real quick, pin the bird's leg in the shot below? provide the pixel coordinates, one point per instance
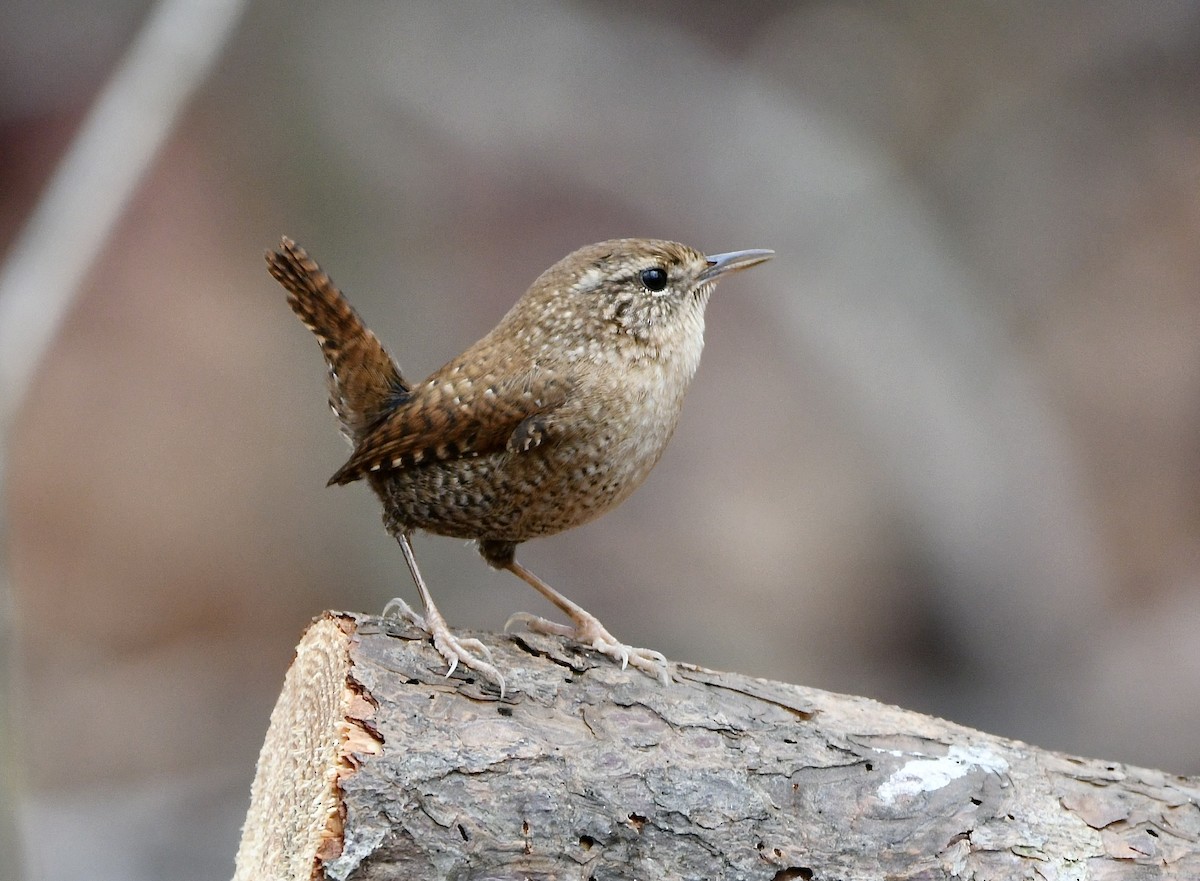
(587, 630)
(448, 645)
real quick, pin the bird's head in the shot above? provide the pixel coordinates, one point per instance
(645, 291)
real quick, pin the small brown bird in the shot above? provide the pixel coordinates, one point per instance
(550, 420)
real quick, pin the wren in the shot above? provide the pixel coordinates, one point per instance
(553, 418)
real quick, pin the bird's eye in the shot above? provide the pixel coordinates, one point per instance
(654, 278)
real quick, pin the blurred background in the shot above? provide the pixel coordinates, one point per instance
(943, 451)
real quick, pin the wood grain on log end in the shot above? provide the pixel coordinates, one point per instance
(317, 735)
(378, 766)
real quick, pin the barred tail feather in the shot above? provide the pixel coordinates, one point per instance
(364, 381)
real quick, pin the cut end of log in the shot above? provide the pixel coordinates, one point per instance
(319, 724)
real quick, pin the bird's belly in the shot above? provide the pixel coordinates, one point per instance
(515, 496)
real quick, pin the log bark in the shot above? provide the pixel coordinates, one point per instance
(377, 766)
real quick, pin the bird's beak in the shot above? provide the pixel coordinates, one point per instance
(720, 264)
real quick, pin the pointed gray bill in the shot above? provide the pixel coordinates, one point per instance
(720, 264)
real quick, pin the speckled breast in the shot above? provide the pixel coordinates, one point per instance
(515, 496)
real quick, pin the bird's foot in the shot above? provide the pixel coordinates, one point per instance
(589, 631)
(398, 608)
(470, 652)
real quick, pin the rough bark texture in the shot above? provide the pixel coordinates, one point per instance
(376, 766)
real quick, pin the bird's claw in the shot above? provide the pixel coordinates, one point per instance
(456, 650)
(590, 632)
(647, 660)
(473, 645)
(539, 625)
(449, 646)
(398, 608)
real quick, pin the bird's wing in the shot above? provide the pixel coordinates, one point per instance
(455, 415)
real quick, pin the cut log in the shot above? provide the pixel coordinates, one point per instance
(377, 766)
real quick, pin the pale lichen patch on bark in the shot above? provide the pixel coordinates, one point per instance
(927, 774)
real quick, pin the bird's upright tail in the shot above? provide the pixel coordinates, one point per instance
(364, 381)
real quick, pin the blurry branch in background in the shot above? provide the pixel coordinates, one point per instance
(114, 147)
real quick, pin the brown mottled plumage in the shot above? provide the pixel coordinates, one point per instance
(550, 420)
